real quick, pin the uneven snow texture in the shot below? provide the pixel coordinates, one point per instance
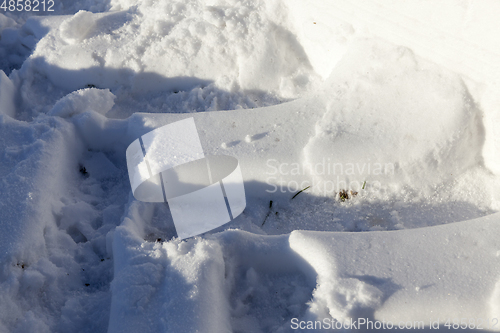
(176, 46)
(90, 99)
(390, 108)
(411, 84)
(78, 27)
(376, 283)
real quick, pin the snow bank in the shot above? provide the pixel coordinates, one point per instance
(236, 45)
(420, 275)
(390, 108)
(36, 159)
(175, 286)
(33, 154)
(459, 37)
(80, 254)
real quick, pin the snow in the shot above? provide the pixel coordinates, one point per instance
(411, 115)
(98, 100)
(77, 27)
(397, 101)
(7, 95)
(455, 267)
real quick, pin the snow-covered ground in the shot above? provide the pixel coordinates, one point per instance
(398, 101)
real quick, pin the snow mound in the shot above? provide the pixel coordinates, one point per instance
(90, 99)
(409, 275)
(235, 44)
(396, 119)
(155, 278)
(77, 27)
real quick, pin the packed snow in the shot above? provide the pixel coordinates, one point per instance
(368, 136)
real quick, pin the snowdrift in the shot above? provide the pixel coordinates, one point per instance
(379, 98)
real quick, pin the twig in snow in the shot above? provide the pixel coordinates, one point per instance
(296, 194)
(270, 206)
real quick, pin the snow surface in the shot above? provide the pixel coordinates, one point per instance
(402, 96)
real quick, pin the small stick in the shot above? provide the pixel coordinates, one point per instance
(270, 206)
(296, 194)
